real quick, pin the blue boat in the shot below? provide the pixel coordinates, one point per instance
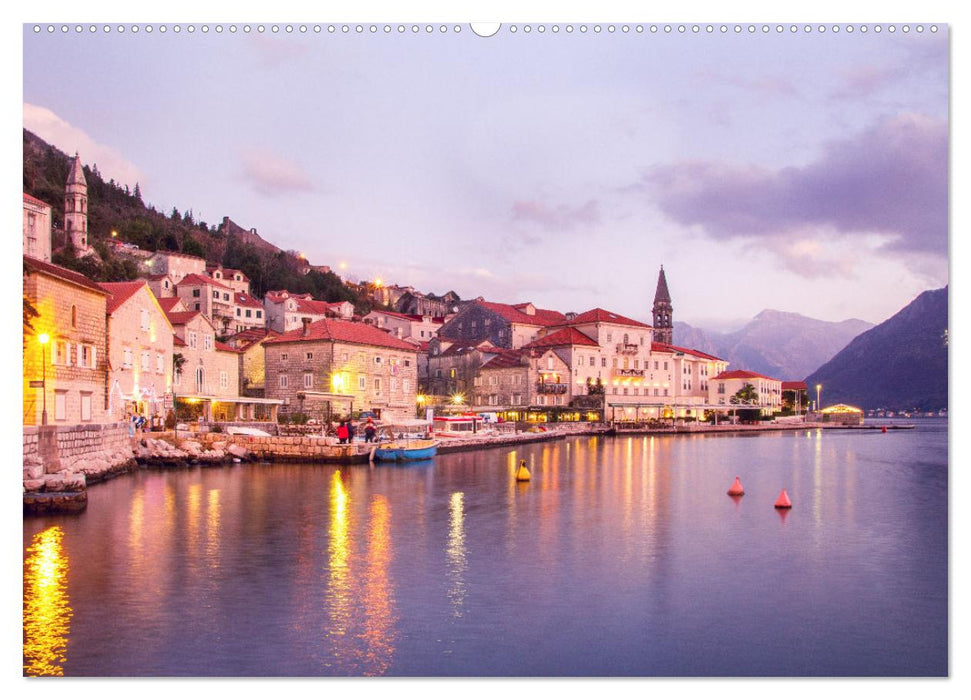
(409, 451)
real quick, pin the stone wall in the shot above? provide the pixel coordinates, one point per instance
(94, 450)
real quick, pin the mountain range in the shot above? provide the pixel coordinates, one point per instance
(778, 344)
(901, 364)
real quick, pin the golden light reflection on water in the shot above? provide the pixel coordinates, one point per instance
(339, 584)
(455, 554)
(47, 610)
(212, 528)
(378, 595)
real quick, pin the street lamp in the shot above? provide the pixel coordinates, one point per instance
(420, 400)
(43, 339)
(818, 404)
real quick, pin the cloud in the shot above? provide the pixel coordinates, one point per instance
(560, 218)
(70, 139)
(890, 180)
(273, 175)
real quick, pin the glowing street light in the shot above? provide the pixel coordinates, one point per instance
(43, 339)
(818, 404)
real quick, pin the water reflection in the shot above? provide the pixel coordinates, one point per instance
(47, 610)
(455, 554)
(339, 585)
(378, 597)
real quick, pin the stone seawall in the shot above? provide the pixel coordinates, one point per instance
(59, 461)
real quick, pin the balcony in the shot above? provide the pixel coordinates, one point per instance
(629, 372)
(551, 388)
(627, 348)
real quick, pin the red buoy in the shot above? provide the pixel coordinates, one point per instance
(783, 500)
(736, 488)
(883, 429)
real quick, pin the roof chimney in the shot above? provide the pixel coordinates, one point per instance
(306, 326)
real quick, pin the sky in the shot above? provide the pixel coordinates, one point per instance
(803, 172)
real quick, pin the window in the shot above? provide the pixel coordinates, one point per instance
(60, 353)
(144, 319)
(405, 385)
(284, 356)
(223, 379)
(225, 296)
(249, 313)
(200, 380)
(614, 362)
(60, 405)
(665, 365)
(238, 311)
(146, 361)
(193, 340)
(215, 295)
(284, 381)
(361, 382)
(308, 380)
(196, 294)
(74, 316)
(392, 384)
(85, 406)
(549, 363)
(377, 386)
(603, 361)
(377, 360)
(197, 307)
(609, 337)
(626, 339)
(593, 360)
(159, 363)
(207, 342)
(259, 314)
(310, 356)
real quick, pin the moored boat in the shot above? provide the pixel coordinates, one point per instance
(410, 451)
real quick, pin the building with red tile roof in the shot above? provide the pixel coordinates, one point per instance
(504, 325)
(68, 370)
(336, 367)
(140, 350)
(725, 386)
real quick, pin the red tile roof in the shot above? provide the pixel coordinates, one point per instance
(249, 337)
(565, 336)
(194, 280)
(180, 318)
(743, 374)
(312, 306)
(337, 330)
(665, 347)
(507, 359)
(515, 314)
(603, 316)
(178, 342)
(62, 273)
(226, 348)
(793, 386)
(34, 200)
(247, 300)
(120, 292)
(169, 303)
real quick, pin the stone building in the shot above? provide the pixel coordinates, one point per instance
(502, 325)
(211, 298)
(234, 279)
(286, 312)
(334, 368)
(252, 362)
(176, 265)
(248, 312)
(67, 373)
(725, 385)
(453, 367)
(37, 228)
(419, 328)
(162, 285)
(414, 302)
(139, 351)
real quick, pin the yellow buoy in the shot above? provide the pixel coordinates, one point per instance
(522, 474)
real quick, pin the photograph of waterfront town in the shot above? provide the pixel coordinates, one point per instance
(522, 350)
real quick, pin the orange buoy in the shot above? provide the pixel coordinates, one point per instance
(522, 474)
(736, 488)
(783, 500)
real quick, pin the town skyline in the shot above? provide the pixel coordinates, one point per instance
(820, 178)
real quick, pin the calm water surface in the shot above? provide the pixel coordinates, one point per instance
(622, 556)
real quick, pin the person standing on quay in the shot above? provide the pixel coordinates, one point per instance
(342, 433)
(350, 430)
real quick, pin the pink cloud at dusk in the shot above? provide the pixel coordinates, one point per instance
(273, 175)
(891, 180)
